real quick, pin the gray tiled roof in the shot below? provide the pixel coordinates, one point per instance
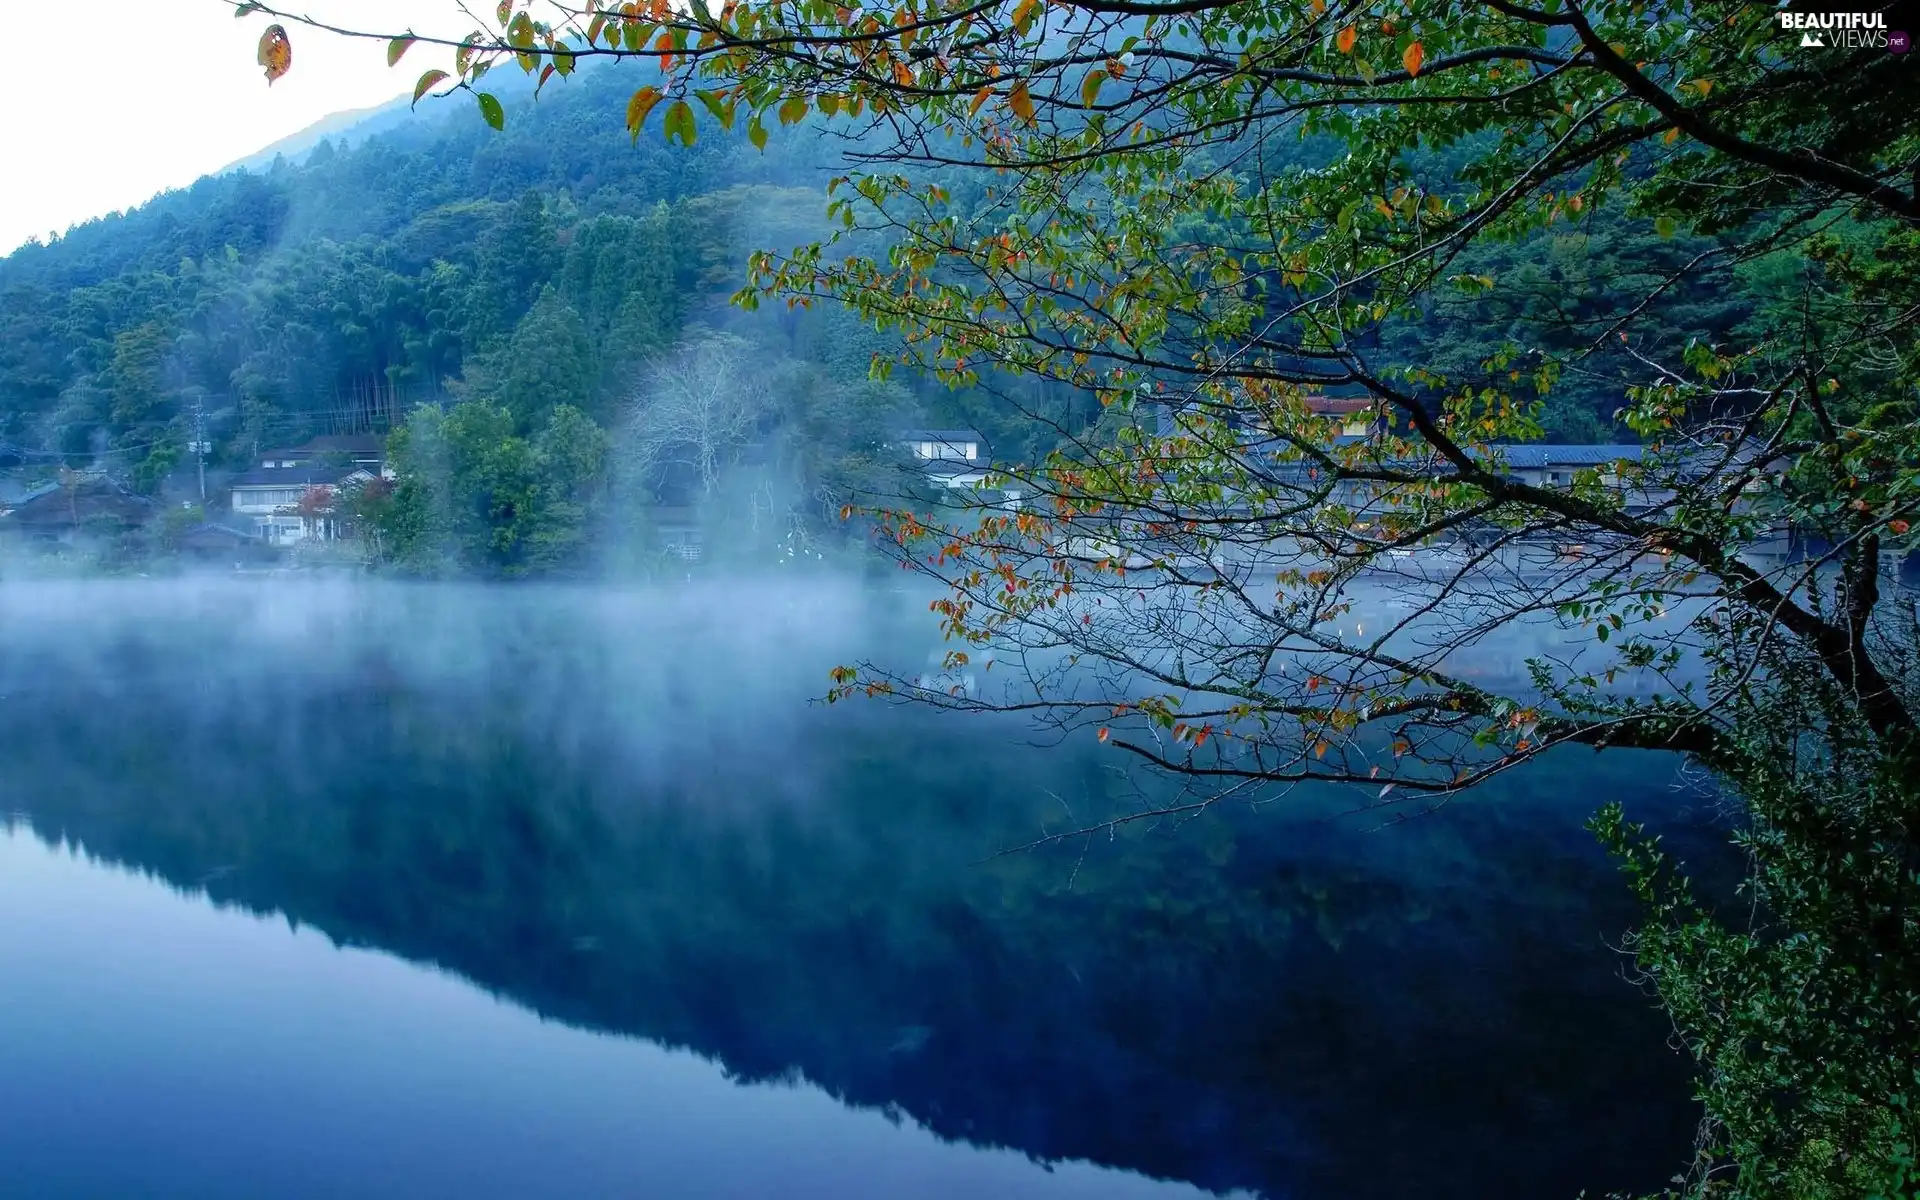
(310, 475)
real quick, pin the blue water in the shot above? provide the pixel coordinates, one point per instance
(369, 891)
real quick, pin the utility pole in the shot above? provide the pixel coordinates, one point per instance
(198, 446)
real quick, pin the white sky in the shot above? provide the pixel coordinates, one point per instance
(153, 94)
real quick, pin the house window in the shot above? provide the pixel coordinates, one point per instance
(926, 449)
(973, 451)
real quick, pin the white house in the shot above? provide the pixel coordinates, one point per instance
(270, 497)
(953, 459)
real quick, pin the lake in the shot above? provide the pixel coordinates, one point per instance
(351, 889)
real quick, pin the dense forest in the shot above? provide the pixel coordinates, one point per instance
(556, 297)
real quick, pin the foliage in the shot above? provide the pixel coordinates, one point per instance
(1210, 214)
(474, 495)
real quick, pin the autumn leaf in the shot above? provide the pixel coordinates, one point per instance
(1413, 57)
(793, 110)
(639, 106)
(428, 82)
(1320, 749)
(979, 98)
(1344, 39)
(1673, 135)
(396, 48)
(1021, 102)
(1090, 86)
(276, 52)
(1898, 528)
(1102, 735)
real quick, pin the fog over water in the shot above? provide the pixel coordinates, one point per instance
(355, 888)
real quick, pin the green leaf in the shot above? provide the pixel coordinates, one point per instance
(428, 82)
(757, 133)
(793, 111)
(563, 62)
(722, 110)
(490, 109)
(1664, 226)
(679, 123)
(1090, 86)
(247, 9)
(396, 48)
(640, 105)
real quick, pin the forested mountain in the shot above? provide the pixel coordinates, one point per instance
(561, 265)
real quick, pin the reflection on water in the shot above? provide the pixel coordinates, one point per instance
(618, 812)
(154, 1046)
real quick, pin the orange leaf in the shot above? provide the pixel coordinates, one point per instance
(1102, 735)
(1319, 749)
(1899, 528)
(276, 52)
(1413, 57)
(1021, 102)
(1344, 39)
(979, 98)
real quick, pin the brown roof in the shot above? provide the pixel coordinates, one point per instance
(86, 501)
(1338, 406)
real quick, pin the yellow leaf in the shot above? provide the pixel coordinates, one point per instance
(1344, 39)
(1090, 87)
(1673, 135)
(1021, 102)
(276, 52)
(639, 106)
(979, 98)
(1413, 57)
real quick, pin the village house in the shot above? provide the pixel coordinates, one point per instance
(270, 499)
(80, 509)
(953, 459)
(363, 451)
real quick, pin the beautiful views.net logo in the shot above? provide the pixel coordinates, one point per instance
(1845, 30)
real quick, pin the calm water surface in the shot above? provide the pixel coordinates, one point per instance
(366, 891)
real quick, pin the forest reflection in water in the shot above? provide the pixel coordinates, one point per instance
(619, 811)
